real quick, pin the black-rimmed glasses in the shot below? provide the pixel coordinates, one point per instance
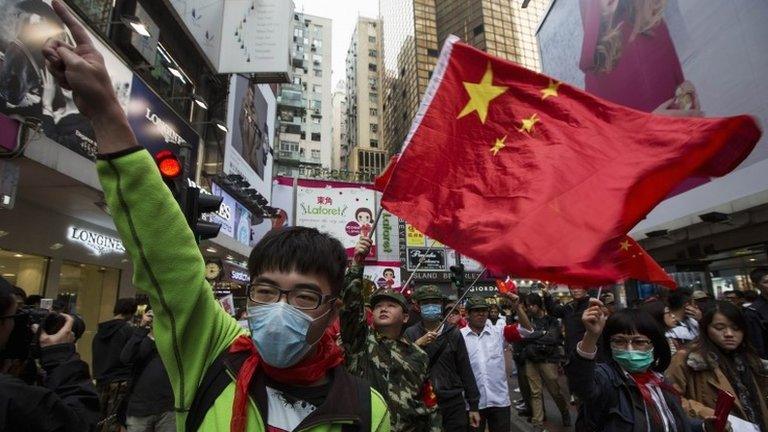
(300, 298)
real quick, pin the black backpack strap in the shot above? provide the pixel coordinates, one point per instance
(363, 408)
(213, 383)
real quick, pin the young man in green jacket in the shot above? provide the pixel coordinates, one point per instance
(288, 375)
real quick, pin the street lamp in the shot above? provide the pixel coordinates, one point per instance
(218, 123)
(134, 23)
(197, 99)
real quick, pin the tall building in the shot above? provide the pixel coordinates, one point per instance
(364, 64)
(304, 106)
(339, 147)
(414, 31)
(409, 37)
(499, 27)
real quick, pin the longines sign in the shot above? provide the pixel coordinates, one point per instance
(98, 243)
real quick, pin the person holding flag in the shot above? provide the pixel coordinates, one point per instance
(381, 354)
(449, 369)
(285, 375)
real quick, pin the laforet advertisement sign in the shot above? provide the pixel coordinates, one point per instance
(346, 211)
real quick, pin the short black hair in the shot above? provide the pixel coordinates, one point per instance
(628, 321)
(678, 299)
(6, 296)
(737, 293)
(750, 295)
(125, 306)
(655, 309)
(757, 275)
(303, 250)
(533, 299)
(388, 270)
(19, 291)
(33, 300)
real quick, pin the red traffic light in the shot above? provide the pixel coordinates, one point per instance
(168, 163)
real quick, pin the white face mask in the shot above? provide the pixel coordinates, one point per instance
(279, 332)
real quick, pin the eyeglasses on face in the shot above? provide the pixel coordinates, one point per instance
(300, 298)
(638, 343)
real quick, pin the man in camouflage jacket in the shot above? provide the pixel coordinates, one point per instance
(394, 365)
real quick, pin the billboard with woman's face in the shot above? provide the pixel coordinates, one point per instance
(671, 57)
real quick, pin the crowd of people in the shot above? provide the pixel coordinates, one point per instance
(321, 357)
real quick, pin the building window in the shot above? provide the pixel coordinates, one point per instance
(316, 120)
(372, 39)
(374, 143)
(372, 53)
(315, 136)
(374, 112)
(315, 154)
(433, 52)
(371, 67)
(315, 104)
(373, 98)
(317, 88)
(318, 73)
(374, 128)
(297, 80)
(477, 30)
(289, 146)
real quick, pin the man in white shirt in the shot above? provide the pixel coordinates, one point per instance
(485, 345)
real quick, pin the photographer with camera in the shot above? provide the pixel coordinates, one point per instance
(66, 400)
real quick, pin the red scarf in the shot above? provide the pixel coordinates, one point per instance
(648, 377)
(308, 371)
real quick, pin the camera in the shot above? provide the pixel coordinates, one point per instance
(23, 342)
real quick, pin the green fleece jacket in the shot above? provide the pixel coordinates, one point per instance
(190, 327)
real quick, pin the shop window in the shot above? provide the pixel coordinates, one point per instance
(90, 291)
(24, 270)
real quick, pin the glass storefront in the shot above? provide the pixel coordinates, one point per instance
(90, 291)
(24, 270)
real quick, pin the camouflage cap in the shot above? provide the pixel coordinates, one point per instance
(390, 294)
(476, 303)
(428, 292)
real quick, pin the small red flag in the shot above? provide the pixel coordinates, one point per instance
(536, 178)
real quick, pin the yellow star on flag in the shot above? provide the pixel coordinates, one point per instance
(481, 94)
(498, 146)
(624, 245)
(551, 90)
(529, 123)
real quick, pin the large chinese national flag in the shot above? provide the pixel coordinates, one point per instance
(536, 178)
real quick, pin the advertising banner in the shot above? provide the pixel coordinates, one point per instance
(344, 210)
(388, 238)
(27, 88)
(240, 36)
(384, 274)
(157, 127)
(673, 57)
(226, 214)
(249, 143)
(234, 218)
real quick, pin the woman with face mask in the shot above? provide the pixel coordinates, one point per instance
(628, 392)
(722, 359)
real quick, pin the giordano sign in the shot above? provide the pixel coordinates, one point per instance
(99, 244)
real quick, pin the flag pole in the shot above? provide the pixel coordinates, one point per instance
(421, 261)
(455, 305)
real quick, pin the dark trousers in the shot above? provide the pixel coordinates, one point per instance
(455, 418)
(523, 383)
(497, 419)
